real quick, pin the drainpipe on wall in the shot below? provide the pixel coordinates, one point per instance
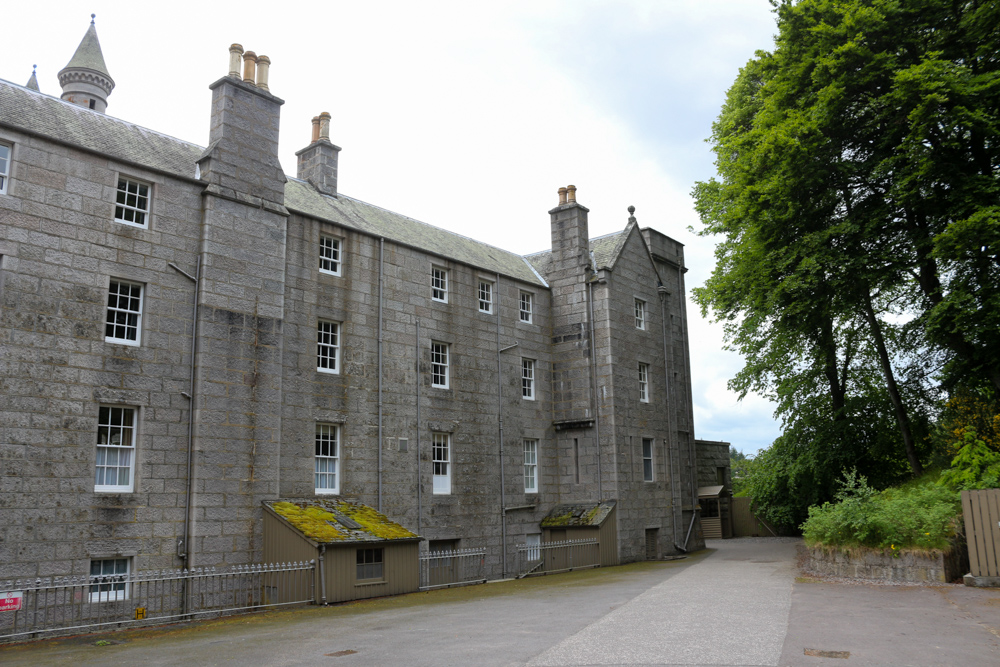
(595, 393)
(381, 245)
(419, 477)
(503, 491)
(184, 543)
(688, 402)
(322, 574)
(676, 491)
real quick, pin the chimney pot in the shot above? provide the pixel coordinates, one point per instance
(562, 196)
(249, 67)
(235, 55)
(315, 134)
(263, 65)
(571, 193)
(324, 126)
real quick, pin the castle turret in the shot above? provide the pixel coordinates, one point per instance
(85, 80)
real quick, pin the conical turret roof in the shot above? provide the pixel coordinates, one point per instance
(33, 81)
(88, 55)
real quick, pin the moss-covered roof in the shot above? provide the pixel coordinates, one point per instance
(578, 514)
(338, 520)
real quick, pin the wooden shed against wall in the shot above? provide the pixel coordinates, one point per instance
(581, 521)
(361, 552)
(716, 512)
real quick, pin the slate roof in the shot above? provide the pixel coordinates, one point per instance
(89, 55)
(352, 213)
(48, 116)
(53, 118)
(338, 520)
(578, 514)
(604, 251)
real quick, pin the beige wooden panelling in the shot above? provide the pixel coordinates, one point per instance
(608, 537)
(284, 544)
(745, 524)
(400, 571)
(712, 528)
(981, 510)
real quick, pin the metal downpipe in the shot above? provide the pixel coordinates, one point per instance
(503, 496)
(595, 393)
(322, 574)
(183, 547)
(676, 492)
(420, 480)
(381, 245)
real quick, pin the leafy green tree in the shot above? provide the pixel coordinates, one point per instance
(859, 174)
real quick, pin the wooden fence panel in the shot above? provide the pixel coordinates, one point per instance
(745, 523)
(981, 510)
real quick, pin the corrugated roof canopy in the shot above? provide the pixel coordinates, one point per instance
(710, 491)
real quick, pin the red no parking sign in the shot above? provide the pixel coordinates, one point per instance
(11, 600)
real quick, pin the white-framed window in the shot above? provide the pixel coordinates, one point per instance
(123, 322)
(439, 364)
(644, 383)
(329, 255)
(530, 465)
(647, 459)
(441, 456)
(439, 284)
(109, 579)
(485, 296)
(528, 379)
(4, 167)
(369, 564)
(132, 202)
(115, 462)
(327, 458)
(640, 314)
(525, 306)
(327, 346)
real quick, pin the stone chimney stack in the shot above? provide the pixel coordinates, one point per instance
(317, 162)
(570, 236)
(242, 155)
(573, 410)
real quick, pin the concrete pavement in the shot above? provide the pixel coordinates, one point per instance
(738, 605)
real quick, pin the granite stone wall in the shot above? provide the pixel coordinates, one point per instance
(257, 394)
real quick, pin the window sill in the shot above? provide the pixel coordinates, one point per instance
(370, 582)
(122, 341)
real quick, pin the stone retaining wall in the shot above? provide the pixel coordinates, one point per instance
(909, 566)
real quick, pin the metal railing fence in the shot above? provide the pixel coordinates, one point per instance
(64, 604)
(549, 557)
(448, 568)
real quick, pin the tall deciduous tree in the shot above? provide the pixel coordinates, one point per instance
(858, 188)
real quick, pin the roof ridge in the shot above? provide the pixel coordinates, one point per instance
(419, 222)
(98, 114)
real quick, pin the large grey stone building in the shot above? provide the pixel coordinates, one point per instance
(186, 332)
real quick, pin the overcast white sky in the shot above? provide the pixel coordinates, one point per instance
(466, 115)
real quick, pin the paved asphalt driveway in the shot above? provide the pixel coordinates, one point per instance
(739, 604)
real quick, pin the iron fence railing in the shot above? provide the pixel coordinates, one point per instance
(62, 604)
(549, 557)
(448, 568)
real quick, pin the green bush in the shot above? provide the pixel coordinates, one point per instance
(919, 515)
(976, 466)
